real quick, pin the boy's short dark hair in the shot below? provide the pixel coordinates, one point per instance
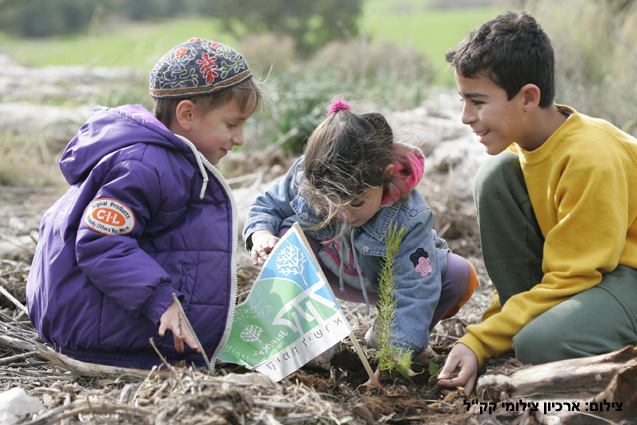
(243, 92)
(512, 50)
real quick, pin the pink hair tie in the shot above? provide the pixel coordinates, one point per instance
(337, 105)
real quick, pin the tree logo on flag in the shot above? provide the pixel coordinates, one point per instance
(290, 261)
(251, 333)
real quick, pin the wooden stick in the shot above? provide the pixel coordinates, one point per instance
(203, 352)
(168, 366)
(79, 368)
(16, 343)
(352, 338)
(8, 360)
(11, 298)
(361, 354)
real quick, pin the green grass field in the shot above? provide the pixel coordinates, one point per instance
(136, 45)
(430, 31)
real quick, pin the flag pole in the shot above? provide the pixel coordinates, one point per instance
(183, 314)
(352, 337)
(361, 354)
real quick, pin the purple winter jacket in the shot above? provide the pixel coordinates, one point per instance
(133, 228)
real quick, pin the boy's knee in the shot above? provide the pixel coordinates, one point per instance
(529, 346)
(537, 345)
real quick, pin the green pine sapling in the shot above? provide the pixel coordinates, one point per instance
(389, 356)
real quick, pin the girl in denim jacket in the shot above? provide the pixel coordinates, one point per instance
(351, 184)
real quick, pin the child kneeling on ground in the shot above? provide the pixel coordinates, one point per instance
(352, 183)
(147, 216)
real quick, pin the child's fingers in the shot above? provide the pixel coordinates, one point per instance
(445, 374)
(191, 341)
(262, 251)
(255, 256)
(369, 381)
(468, 387)
(179, 344)
(447, 370)
(185, 336)
(259, 252)
(464, 379)
(460, 356)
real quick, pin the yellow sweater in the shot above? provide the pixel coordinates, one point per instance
(582, 183)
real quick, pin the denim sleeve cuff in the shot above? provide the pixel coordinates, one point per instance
(265, 224)
(159, 301)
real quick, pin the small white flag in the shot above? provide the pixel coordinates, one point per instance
(290, 315)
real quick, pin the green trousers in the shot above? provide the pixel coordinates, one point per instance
(595, 321)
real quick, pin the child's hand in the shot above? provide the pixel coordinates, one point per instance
(460, 356)
(171, 319)
(263, 242)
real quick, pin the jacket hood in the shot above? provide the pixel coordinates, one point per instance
(108, 130)
(409, 177)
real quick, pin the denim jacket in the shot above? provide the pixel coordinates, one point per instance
(421, 261)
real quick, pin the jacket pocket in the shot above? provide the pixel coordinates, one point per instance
(187, 283)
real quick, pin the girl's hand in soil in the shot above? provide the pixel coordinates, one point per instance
(460, 356)
(171, 319)
(263, 242)
(369, 382)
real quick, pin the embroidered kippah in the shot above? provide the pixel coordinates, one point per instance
(197, 67)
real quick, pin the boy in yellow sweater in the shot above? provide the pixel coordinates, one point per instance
(556, 206)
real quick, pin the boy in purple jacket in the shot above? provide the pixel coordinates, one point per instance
(147, 215)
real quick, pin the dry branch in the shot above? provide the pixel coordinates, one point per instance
(80, 368)
(567, 379)
(11, 359)
(11, 298)
(16, 343)
(84, 407)
(599, 389)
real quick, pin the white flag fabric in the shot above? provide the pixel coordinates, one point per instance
(290, 315)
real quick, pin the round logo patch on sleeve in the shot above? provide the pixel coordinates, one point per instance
(109, 217)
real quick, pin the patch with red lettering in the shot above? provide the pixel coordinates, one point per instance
(109, 217)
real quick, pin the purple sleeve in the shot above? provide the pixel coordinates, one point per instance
(107, 244)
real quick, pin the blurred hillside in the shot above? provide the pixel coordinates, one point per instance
(75, 29)
(386, 55)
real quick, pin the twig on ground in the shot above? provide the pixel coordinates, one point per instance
(168, 366)
(11, 359)
(11, 298)
(74, 409)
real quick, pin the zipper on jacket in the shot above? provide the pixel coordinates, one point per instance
(233, 265)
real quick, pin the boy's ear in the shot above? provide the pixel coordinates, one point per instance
(185, 114)
(531, 96)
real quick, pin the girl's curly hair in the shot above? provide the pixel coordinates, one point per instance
(346, 155)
